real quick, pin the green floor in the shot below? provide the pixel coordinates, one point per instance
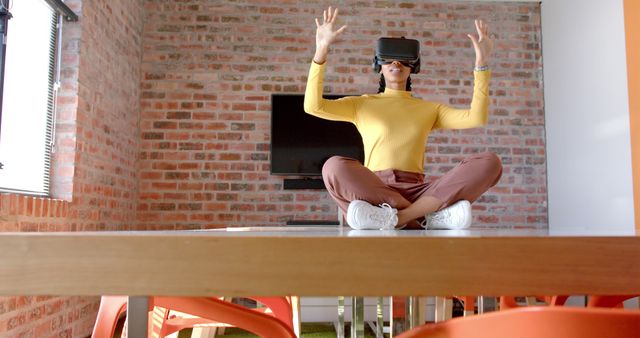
(309, 330)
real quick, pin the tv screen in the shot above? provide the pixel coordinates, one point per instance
(301, 143)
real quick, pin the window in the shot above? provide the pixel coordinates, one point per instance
(28, 94)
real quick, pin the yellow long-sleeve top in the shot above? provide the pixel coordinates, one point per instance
(394, 125)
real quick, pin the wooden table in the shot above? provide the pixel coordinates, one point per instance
(320, 262)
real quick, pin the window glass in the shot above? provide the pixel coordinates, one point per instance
(28, 97)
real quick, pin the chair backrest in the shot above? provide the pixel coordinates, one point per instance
(263, 325)
(537, 322)
(266, 326)
(111, 307)
(280, 307)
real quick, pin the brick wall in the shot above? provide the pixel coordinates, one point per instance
(209, 68)
(94, 177)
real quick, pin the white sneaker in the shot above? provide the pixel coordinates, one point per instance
(455, 216)
(363, 216)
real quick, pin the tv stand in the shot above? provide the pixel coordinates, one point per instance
(303, 183)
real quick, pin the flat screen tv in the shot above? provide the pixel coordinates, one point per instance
(301, 143)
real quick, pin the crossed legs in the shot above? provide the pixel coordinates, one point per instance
(347, 180)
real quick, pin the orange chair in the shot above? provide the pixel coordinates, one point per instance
(509, 302)
(608, 301)
(279, 307)
(208, 309)
(111, 307)
(537, 322)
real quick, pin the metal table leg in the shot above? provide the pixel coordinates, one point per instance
(297, 324)
(380, 318)
(340, 324)
(444, 308)
(357, 317)
(137, 316)
(412, 312)
(377, 326)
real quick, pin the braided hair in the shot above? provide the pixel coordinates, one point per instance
(382, 85)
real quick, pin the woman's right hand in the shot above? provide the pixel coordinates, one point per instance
(325, 35)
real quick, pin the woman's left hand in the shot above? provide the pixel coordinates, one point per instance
(483, 44)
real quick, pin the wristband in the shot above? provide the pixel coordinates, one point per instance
(481, 69)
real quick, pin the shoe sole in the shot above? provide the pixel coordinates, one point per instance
(350, 214)
(467, 207)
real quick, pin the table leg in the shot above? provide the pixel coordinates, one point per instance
(422, 310)
(357, 317)
(412, 313)
(340, 324)
(380, 318)
(137, 316)
(444, 307)
(297, 324)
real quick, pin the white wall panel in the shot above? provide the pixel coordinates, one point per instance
(587, 114)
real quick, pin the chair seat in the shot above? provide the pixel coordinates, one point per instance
(537, 322)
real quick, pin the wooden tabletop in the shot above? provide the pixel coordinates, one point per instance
(319, 262)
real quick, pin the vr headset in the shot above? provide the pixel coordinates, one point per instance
(407, 51)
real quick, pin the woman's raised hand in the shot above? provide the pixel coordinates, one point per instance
(325, 35)
(483, 44)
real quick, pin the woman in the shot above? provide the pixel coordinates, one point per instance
(389, 191)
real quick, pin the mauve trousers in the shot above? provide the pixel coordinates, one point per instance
(347, 179)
